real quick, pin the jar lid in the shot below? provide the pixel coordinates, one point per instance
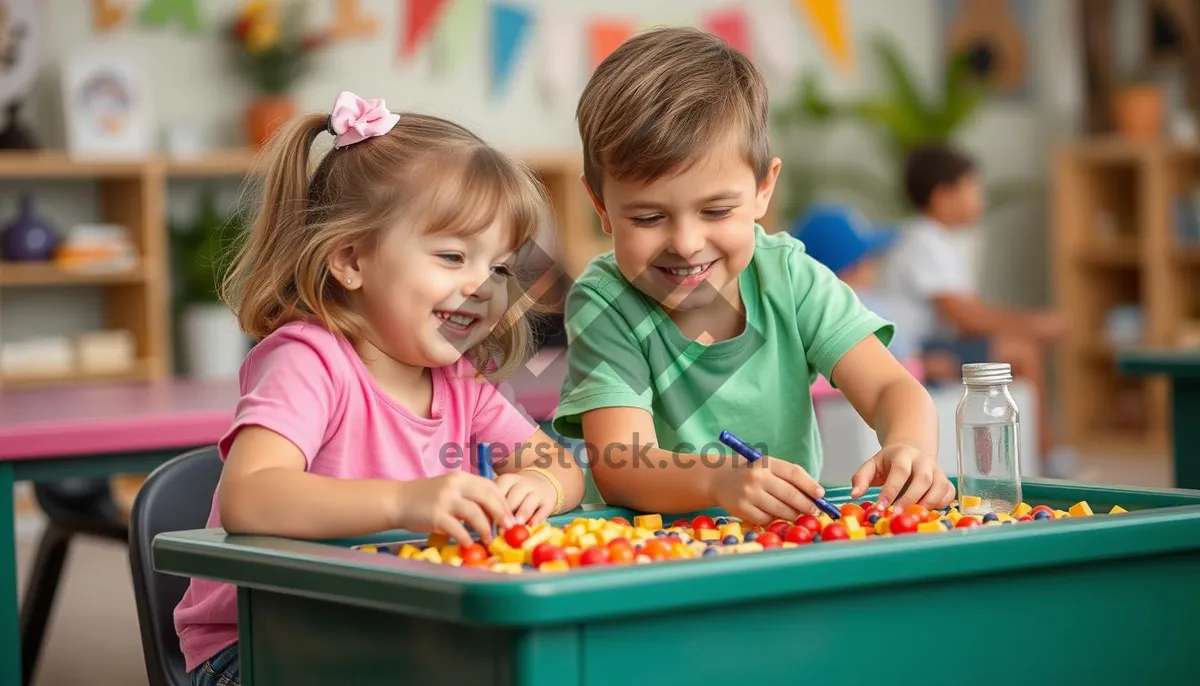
(987, 374)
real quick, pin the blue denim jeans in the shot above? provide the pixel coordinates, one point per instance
(220, 670)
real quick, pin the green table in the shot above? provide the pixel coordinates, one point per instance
(1183, 368)
(1099, 600)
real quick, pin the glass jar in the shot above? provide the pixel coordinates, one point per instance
(988, 426)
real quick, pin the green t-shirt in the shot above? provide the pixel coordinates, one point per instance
(624, 351)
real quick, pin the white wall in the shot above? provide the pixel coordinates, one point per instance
(192, 83)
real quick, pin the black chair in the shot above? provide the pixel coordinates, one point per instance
(175, 497)
(72, 506)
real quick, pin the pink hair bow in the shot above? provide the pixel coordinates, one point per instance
(354, 119)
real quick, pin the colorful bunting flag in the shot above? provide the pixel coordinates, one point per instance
(460, 28)
(161, 12)
(106, 15)
(561, 54)
(829, 22)
(510, 27)
(730, 24)
(606, 35)
(351, 22)
(419, 20)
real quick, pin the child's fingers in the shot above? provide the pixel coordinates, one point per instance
(454, 528)
(790, 496)
(488, 496)
(747, 512)
(864, 478)
(524, 511)
(771, 506)
(897, 476)
(473, 515)
(795, 475)
(919, 483)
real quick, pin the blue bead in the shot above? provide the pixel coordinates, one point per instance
(721, 521)
(1042, 515)
(528, 567)
(816, 538)
(873, 517)
(712, 543)
(709, 551)
(991, 517)
(385, 551)
(660, 532)
(730, 540)
(947, 523)
(750, 536)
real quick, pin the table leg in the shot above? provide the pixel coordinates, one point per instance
(1185, 416)
(10, 636)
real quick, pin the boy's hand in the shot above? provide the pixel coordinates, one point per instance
(530, 496)
(900, 464)
(766, 490)
(444, 503)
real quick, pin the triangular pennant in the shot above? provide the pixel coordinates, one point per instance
(731, 25)
(606, 35)
(160, 12)
(510, 26)
(460, 28)
(419, 20)
(829, 22)
(107, 15)
(351, 22)
(561, 55)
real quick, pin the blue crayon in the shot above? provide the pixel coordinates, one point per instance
(747, 451)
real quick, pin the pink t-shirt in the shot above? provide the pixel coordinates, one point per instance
(309, 386)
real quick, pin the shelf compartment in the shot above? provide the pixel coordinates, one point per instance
(141, 370)
(16, 274)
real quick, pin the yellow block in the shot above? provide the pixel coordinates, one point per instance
(1081, 509)
(574, 531)
(454, 562)
(513, 555)
(643, 559)
(537, 539)
(789, 544)
(731, 529)
(930, 527)
(708, 535)
(751, 547)
(595, 525)
(653, 522)
(449, 552)
(851, 524)
(555, 566)
(587, 541)
(408, 551)
(430, 555)
(557, 536)
(1021, 510)
(969, 501)
(1117, 509)
(1059, 514)
(858, 533)
(498, 545)
(369, 549)
(883, 526)
(507, 567)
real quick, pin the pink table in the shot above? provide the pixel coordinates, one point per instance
(104, 430)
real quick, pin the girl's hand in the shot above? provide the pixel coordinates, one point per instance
(900, 464)
(530, 496)
(444, 503)
(766, 490)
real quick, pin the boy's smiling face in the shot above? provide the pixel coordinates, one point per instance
(683, 238)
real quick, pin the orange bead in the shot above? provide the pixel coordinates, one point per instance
(656, 550)
(852, 510)
(916, 509)
(620, 553)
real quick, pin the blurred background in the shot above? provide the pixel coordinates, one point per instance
(128, 133)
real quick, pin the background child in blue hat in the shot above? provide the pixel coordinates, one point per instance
(839, 237)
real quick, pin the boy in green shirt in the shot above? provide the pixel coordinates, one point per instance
(699, 321)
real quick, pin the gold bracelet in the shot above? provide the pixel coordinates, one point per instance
(558, 492)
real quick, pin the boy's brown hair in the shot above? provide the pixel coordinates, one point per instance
(662, 98)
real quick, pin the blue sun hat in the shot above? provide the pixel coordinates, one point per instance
(839, 236)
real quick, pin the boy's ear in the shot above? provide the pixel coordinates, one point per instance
(343, 266)
(598, 204)
(762, 200)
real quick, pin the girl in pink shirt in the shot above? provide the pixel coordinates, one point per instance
(380, 288)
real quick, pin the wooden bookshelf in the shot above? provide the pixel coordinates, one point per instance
(133, 193)
(1117, 242)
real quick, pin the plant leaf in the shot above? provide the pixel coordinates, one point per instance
(905, 98)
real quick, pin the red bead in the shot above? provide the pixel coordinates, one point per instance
(1043, 508)
(966, 523)
(809, 522)
(703, 522)
(681, 523)
(596, 555)
(779, 528)
(835, 531)
(545, 552)
(798, 534)
(768, 539)
(473, 554)
(904, 523)
(516, 535)
(1024, 518)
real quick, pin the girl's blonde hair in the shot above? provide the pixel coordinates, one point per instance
(425, 169)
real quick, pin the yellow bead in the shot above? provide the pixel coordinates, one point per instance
(1021, 510)
(858, 533)
(653, 522)
(930, 527)
(408, 551)
(969, 501)
(430, 555)
(554, 566)
(1081, 509)
(1117, 509)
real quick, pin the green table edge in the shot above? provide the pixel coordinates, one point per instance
(320, 570)
(1178, 364)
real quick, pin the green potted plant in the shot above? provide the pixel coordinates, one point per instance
(898, 116)
(274, 50)
(211, 343)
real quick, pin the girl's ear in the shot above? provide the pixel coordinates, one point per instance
(343, 265)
